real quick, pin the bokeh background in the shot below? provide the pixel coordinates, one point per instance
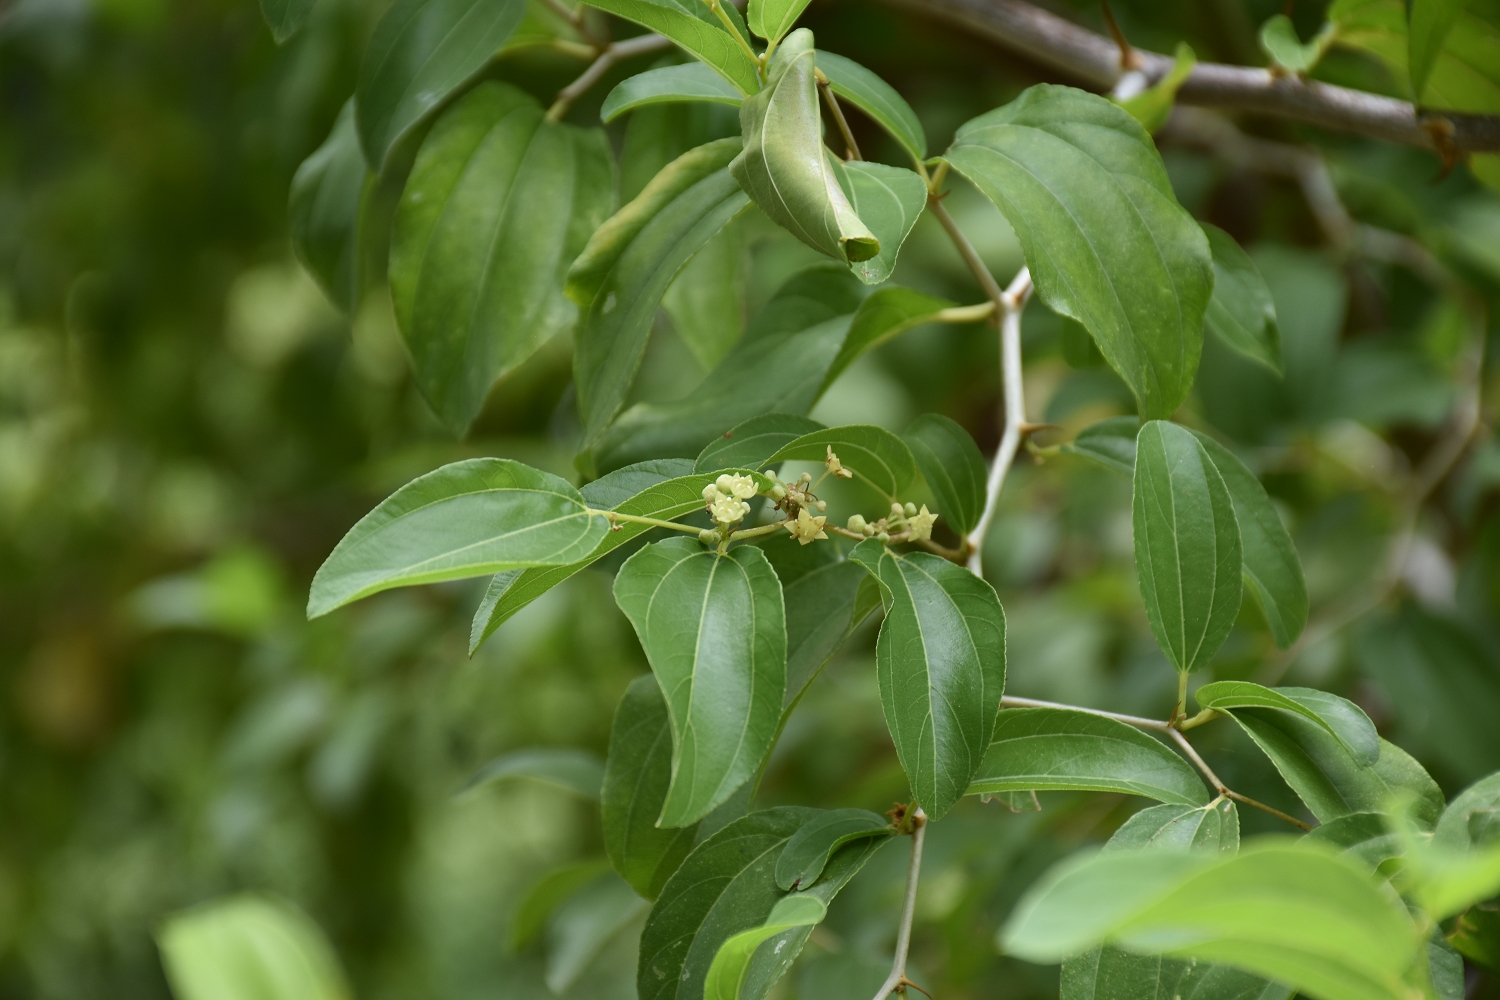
(187, 427)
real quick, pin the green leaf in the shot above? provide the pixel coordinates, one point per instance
(888, 200)
(1476, 936)
(1341, 719)
(512, 590)
(876, 98)
(1279, 40)
(784, 165)
(1112, 974)
(953, 467)
(771, 19)
(877, 457)
(469, 518)
(728, 885)
(1294, 912)
(1241, 312)
(1429, 24)
(1107, 243)
(692, 26)
(751, 444)
(546, 895)
(423, 51)
(714, 630)
(249, 948)
(499, 203)
(726, 976)
(324, 211)
(581, 926)
(1457, 829)
(886, 314)
(1272, 571)
(1366, 836)
(1110, 442)
(807, 853)
(657, 134)
(284, 17)
(576, 771)
(1214, 827)
(688, 82)
(777, 367)
(940, 660)
(1187, 545)
(706, 300)
(629, 262)
(1153, 106)
(1052, 748)
(637, 774)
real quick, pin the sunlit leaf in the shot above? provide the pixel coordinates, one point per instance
(1153, 106)
(1279, 40)
(1363, 835)
(726, 976)
(1214, 827)
(953, 467)
(688, 82)
(1468, 821)
(693, 26)
(751, 444)
(771, 19)
(249, 948)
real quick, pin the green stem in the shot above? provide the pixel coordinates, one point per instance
(1207, 715)
(655, 522)
(764, 529)
(729, 26)
(1181, 709)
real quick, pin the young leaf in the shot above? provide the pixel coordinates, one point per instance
(886, 314)
(470, 518)
(751, 444)
(1270, 566)
(324, 210)
(1214, 827)
(637, 773)
(498, 204)
(875, 455)
(876, 98)
(1428, 26)
(1241, 311)
(284, 17)
(1110, 442)
(784, 165)
(1187, 545)
(706, 301)
(954, 469)
(888, 200)
(731, 966)
(771, 19)
(1052, 748)
(728, 885)
(806, 854)
(422, 51)
(1153, 106)
(583, 924)
(691, 25)
(1342, 719)
(1279, 40)
(1107, 243)
(576, 771)
(714, 630)
(249, 948)
(623, 272)
(940, 660)
(688, 82)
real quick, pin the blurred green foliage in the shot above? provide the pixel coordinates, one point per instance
(187, 427)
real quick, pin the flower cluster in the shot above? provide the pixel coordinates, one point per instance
(917, 523)
(725, 498)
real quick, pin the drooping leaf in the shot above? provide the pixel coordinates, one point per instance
(1051, 748)
(888, 200)
(637, 774)
(1340, 718)
(706, 300)
(784, 166)
(623, 272)
(953, 467)
(1271, 568)
(499, 203)
(469, 518)
(731, 966)
(686, 82)
(806, 854)
(777, 367)
(583, 923)
(548, 893)
(940, 660)
(284, 17)
(886, 314)
(249, 948)
(714, 630)
(1187, 545)
(771, 19)
(1153, 106)
(1107, 243)
(1294, 912)
(876, 98)
(1467, 822)
(324, 210)
(576, 771)
(751, 444)
(692, 26)
(423, 51)
(1110, 442)
(728, 885)
(875, 455)
(1242, 311)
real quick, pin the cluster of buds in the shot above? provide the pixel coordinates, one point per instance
(796, 495)
(725, 498)
(916, 523)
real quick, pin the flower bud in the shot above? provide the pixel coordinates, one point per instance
(911, 510)
(857, 523)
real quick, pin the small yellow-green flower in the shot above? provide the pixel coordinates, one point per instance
(836, 467)
(728, 510)
(920, 524)
(806, 528)
(739, 487)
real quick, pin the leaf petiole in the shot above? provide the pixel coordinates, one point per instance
(655, 522)
(718, 9)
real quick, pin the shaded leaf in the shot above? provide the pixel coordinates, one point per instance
(576, 771)
(1110, 442)
(953, 467)
(583, 923)
(284, 17)
(806, 854)
(324, 211)
(1342, 719)
(1241, 311)
(875, 455)
(692, 26)
(542, 899)
(1363, 835)
(706, 300)
(731, 966)
(888, 200)
(940, 660)
(1457, 829)
(882, 316)
(249, 948)
(657, 134)
(876, 98)
(751, 444)
(1428, 25)
(686, 82)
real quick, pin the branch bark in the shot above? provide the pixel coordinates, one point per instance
(1095, 60)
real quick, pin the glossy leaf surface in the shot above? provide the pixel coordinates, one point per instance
(876, 98)
(1107, 243)
(470, 518)
(714, 630)
(940, 660)
(1214, 827)
(889, 201)
(771, 19)
(249, 948)
(731, 966)
(806, 854)
(692, 26)
(1050, 748)
(1342, 719)
(1110, 442)
(1187, 545)
(324, 211)
(1241, 311)
(953, 467)
(576, 771)
(688, 82)
(875, 455)
(499, 203)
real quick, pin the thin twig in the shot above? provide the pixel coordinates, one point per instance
(611, 54)
(1247, 800)
(1222, 789)
(831, 99)
(1011, 701)
(897, 978)
(1012, 301)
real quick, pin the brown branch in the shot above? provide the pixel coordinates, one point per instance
(1095, 60)
(608, 57)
